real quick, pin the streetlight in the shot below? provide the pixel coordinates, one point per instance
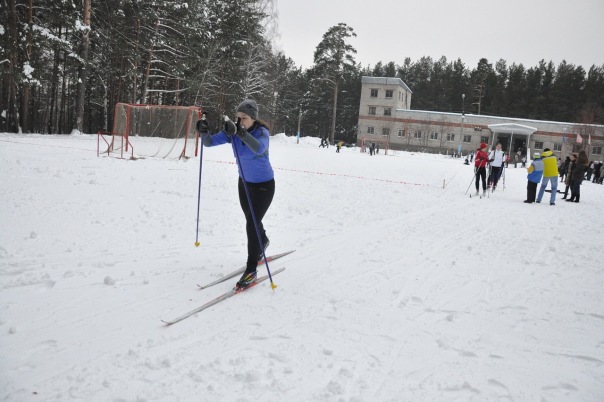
(335, 103)
(463, 116)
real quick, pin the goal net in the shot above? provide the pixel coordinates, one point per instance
(154, 131)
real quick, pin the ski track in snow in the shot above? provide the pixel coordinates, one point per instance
(399, 290)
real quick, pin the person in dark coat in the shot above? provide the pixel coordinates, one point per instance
(571, 168)
(597, 172)
(564, 168)
(578, 176)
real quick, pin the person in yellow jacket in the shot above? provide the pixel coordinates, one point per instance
(550, 174)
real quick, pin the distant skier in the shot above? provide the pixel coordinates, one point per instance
(496, 160)
(480, 167)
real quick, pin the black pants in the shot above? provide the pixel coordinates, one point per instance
(261, 196)
(494, 176)
(481, 173)
(575, 189)
(531, 191)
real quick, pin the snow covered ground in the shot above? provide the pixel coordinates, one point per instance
(399, 289)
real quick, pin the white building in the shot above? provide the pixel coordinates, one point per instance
(386, 118)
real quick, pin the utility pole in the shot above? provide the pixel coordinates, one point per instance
(463, 116)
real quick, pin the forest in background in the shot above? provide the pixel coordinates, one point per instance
(65, 65)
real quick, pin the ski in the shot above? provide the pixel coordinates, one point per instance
(220, 298)
(240, 270)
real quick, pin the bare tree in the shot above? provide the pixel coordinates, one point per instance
(12, 117)
(83, 68)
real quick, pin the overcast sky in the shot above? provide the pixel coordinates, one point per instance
(520, 31)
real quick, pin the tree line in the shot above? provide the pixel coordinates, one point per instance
(65, 65)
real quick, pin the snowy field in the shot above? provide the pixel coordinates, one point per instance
(402, 288)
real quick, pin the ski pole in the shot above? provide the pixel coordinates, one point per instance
(490, 189)
(203, 117)
(249, 201)
(473, 177)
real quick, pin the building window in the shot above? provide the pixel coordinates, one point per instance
(484, 139)
(374, 93)
(433, 136)
(596, 150)
(450, 137)
(467, 139)
(369, 130)
(372, 110)
(387, 111)
(389, 93)
(401, 132)
(385, 131)
(538, 144)
(417, 134)
(557, 146)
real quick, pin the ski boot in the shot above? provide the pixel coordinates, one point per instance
(246, 280)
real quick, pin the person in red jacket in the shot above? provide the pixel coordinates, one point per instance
(480, 167)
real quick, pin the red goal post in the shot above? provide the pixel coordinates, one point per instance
(154, 131)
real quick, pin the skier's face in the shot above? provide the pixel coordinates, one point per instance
(245, 120)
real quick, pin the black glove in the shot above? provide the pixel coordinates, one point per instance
(229, 127)
(241, 131)
(202, 125)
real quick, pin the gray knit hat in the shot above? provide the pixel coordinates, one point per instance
(249, 107)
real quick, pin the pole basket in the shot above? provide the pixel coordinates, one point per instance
(153, 131)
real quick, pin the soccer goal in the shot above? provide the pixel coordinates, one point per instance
(153, 131)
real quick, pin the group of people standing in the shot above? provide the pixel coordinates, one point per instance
(545, 169)
(593, 169)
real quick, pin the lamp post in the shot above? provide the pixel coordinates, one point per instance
(463, 116)
(335, 104)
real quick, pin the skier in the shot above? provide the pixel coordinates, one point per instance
(496, 160)
(480, 167)
(250, 141)
(535, 172)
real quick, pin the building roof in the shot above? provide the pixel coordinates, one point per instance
(556, 126)
(385, 81)
(512, 128)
